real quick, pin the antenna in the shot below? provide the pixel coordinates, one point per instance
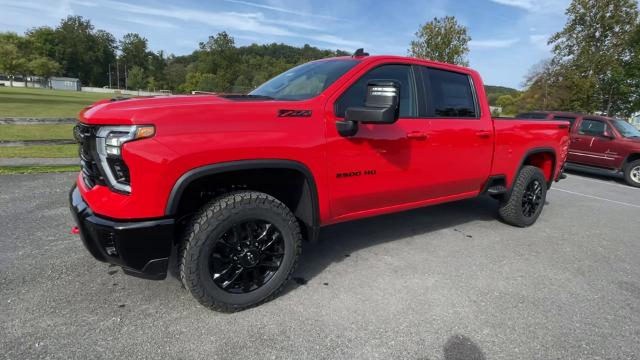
(360, 52)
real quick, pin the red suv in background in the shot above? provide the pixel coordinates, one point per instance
(599, 144)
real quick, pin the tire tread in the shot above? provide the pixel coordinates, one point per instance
(214, 212)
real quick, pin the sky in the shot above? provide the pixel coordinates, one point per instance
(508, 36)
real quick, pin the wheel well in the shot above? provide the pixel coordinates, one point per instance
(544, 160)
(290, 186)
(632, 158)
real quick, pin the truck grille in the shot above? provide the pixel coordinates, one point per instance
(86, 137)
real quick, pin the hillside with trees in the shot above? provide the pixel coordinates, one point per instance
(595, 66)
(76, 49)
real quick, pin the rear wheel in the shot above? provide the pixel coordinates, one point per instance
(523, 206)
(632, 173)
(239, 251)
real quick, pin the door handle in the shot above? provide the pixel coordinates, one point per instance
(576, 139)
(417, 135)
(483, 134)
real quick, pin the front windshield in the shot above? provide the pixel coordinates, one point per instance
(304, 81)
(627, 130)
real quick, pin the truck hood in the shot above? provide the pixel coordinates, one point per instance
(148, 110)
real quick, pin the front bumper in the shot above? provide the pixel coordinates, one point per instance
(141, 248)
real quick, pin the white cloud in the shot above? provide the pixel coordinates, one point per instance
(281, 9)
(150, 22)
(246, 22)
(546, 6)
(540, 41)
(493, 43)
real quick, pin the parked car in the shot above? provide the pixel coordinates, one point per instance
(234, 183)
(600, 145)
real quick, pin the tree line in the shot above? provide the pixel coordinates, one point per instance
(595, 63)
(76, 49)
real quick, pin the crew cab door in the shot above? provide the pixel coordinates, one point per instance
(460, 138)
(380, 166)
(592, 144)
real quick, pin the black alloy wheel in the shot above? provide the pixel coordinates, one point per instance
(532, 198)
(246, 256)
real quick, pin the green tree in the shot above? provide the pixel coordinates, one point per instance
(12, 58)
(83, 52)
(133, 49)
(135, 78)
(593, 50)
(44, 67)
(175, 74)
(44, 41)
(442, 39)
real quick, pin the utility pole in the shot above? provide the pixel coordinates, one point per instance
(118, 74)
(109, 75)
(125, 76)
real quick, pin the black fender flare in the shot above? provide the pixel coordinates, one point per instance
(187, 178)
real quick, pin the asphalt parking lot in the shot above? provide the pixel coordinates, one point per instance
(446, 282)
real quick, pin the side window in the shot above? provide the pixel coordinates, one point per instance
(449, 94)
(355, 95)
(592, 127)
(571, 120)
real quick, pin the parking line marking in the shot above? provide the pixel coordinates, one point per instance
(598, 198)
(603, 182)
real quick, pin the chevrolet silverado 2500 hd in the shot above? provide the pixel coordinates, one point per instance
(230, 185)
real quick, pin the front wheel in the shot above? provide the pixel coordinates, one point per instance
(632, 173)
(239, 251)
(528, 194)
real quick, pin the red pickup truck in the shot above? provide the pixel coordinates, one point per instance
(599, 145)
(230, 185)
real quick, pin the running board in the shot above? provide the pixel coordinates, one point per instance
(594, 170)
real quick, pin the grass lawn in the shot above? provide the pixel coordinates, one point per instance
(30, 102)
(39, 151)
(10, 170)
(36, 132)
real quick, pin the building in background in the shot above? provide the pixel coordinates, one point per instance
(65, 83)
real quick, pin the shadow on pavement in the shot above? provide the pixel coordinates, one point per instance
(337, 242)
(460, 347)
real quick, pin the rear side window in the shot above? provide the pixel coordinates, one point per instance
(592, 127)
(355, 95)
(532, 116)
(449, 94)
(571, 120)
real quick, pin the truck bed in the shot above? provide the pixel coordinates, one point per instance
(517, 138)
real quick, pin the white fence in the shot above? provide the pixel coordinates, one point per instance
(20, 83)
(123, 92)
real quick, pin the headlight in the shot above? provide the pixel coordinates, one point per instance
(109, 141)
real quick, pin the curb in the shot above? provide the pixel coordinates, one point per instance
(35, 142)
(39, 161)
(31, 121)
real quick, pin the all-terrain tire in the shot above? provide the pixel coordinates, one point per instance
(632, 173)
(206, 228)
(512, 209)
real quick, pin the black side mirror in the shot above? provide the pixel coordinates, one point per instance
(382, 104)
